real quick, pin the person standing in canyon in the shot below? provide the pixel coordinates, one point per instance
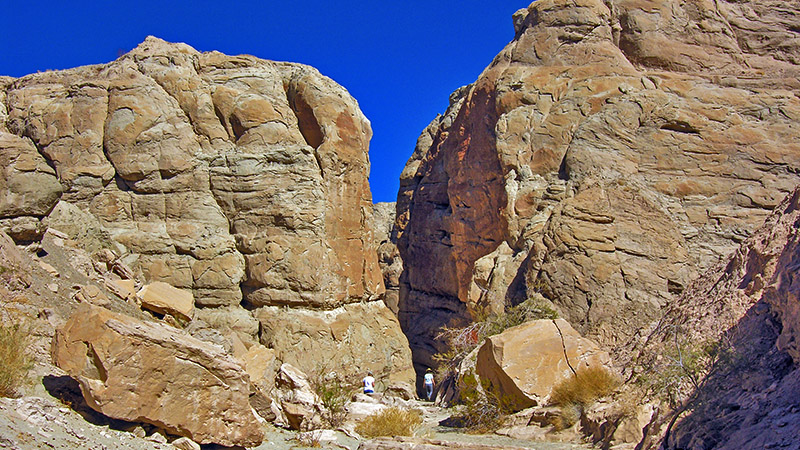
(428, 379)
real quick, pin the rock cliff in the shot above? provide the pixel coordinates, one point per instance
(608, 155)
(241, 180)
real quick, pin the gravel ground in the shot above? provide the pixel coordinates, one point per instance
(46, 423)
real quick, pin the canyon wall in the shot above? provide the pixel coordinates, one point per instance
(746, 309)
(609, 154)
(241, 180)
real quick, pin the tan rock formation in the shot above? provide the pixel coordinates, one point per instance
(389, 259)
(525, 362)
(165, 299)
(140, 371)
(610, 153)
(237, 179)
(300, 406)
(350, 341)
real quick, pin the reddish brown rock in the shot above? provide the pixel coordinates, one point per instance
(608, 155)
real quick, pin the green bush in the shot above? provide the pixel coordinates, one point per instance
(16, 362)
(390, 422)
(483, 410)
(333, 394)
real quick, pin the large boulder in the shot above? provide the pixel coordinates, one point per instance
(608, 155)
(240, 180)
(148, 372)
(525, 362)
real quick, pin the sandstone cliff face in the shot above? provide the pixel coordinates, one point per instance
(609, 154)
(748, 306)
(242, 180)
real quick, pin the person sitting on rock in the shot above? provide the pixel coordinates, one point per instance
(429, 383)
(369, 383)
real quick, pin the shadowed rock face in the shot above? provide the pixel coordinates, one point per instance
(610, 153)
(242, 180)
(749, 306)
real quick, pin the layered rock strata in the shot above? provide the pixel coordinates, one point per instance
(241, 180)
(609, 154)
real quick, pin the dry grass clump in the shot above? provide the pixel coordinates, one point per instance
(390, 422)
(586, 386)
(580, 391)
(15, 362)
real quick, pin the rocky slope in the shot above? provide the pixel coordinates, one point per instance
(746, 308)
(241, 180)
(608, 155)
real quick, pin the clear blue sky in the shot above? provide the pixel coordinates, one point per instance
(399, 59)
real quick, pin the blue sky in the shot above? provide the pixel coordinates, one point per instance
(400, 60)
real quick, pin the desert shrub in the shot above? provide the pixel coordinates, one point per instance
(392, 421)
(333, 393)
(581, 390)
(483, 408)
(16, 362)
(584, 387)
(680, 365)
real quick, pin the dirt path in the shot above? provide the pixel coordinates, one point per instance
(42, 422)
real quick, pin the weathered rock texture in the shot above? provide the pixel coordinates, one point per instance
(353, 339)
(389, 259)
(525, 362)
(749, 306)
(241, 180)
(138, 371)
(610, 153)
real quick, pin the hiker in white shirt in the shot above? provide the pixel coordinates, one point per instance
(369, 383)
(429, 383)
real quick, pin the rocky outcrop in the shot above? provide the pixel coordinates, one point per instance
(608, 155)
(389, 259)
(746, 310)
(239, 180)
(350, 340)
(139, 371)
(525, 362)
